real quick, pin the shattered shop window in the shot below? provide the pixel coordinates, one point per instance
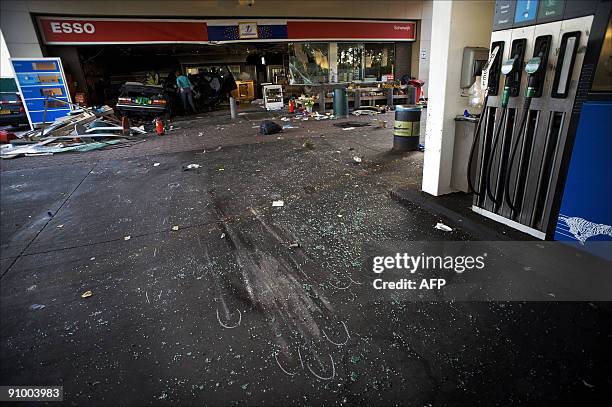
(349, 62)
(308, 63)
(379, 60)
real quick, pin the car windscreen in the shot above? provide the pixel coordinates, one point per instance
(146, 91)
(9, 97)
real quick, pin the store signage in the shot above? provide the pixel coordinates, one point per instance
(247, 30)
(352, 30)
(72, 31)
(38, 79)
(75, 31)
(69, 28)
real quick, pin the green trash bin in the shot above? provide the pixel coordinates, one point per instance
(407, 128)
(341, 108)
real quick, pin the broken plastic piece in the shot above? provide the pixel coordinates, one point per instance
(190, 167)
(278, 203)
(443, 227)
(87, 294)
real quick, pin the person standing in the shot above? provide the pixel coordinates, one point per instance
(186, 90)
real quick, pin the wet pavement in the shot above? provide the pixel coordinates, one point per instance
(204, 293)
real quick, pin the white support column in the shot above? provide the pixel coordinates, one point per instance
(438, 145)
(455, 25)
(18, 30)
(6, 71)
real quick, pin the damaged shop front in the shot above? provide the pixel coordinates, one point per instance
(372, 59)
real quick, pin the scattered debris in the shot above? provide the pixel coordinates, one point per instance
(87, 294)
(222, 235)
(380, 124)
(175, 227)
(589, 385)
(46, 148)
(37, 306)
(348, 128)
(190, 167)
(268, 127)
(294, 245)
(357, 159)
(60, 226)
(288, 126)
(127, 237)
(345, 125)
(308, 145)
(156, 165)
(364, 112)
(443, 227)
(278, 203)
(82, 130)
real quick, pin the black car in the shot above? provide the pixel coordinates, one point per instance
(12, 112)
(137, 99)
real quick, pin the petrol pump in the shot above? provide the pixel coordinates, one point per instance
(541, 71)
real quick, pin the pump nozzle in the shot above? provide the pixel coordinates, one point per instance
(508, 68)
(532, 68)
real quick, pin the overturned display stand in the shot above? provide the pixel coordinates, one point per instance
(38, 79)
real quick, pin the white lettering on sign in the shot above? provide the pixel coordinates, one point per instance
(70, 28)
(401, 27)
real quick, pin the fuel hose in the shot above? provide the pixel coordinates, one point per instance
(488, 188)
(473, 149)
(511, 201)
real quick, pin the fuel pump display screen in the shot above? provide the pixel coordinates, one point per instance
(526, 11)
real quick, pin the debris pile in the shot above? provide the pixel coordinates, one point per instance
(83, 130)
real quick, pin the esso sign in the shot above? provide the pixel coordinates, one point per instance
(72, 28)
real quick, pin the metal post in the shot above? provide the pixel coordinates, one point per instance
(357, 99)
(42, 131)
(390, 97)
(322, 94)
(233, 111)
